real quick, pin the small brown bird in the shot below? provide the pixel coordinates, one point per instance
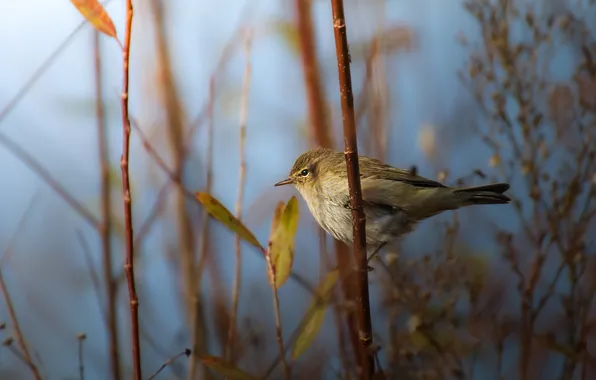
(394, 200)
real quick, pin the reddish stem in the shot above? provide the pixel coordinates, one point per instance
(128, 230)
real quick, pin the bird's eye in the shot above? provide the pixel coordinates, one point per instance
(304, 172)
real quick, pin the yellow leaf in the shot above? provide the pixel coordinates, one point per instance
(289, 33)
(226, 369)
(315, 315)
(281, 242)
(219, 212)
(276, 216)
(97, 16)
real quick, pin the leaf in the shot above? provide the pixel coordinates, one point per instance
(276, 216)
(226, 369)
(289, 33)
(281, 242)
(97, 16)
(315, 315)
(223, 215)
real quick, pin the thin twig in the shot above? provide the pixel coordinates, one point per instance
(106, 222)
(169, 361)
(278, 326)
(81, 339)
(93, 274)
(241, 185)
(8, 300)
(47, 63)
(171, 99)
(197, 331)
(8, 342)
(127, 198)
(351, 153)
(18, 333)
(45, 175)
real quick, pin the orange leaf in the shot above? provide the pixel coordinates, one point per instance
(97, 16)
(226, 369)
(219, 212)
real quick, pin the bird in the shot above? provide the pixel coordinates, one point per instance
(394, 200)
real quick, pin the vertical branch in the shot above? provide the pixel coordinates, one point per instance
(198, 332)
(278, 327)
(106, 223)
(128, 231)
(241, 184)
(318, 117)
(320, 134)
(81, 339)
(175, 128)
(351, 153)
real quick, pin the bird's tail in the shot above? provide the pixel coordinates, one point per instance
(483, 195)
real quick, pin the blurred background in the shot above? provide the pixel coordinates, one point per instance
(464, 92)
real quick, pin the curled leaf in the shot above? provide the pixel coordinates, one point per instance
(224, 216)
(315, 314)
(281, 241)
(97, 16)
(226, 369)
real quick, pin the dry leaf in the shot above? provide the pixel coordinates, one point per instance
(97, 16)
(281, 242)
(223, 215)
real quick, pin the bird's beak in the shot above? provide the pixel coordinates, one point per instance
(286, 181)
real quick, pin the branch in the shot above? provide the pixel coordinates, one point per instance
(45, 175)
(106, 222)
(317, 113)
(351, 153)
(10, 306)
(81, 338)
(278, 327)
(128, 231)
(169, 361)
(229, 348)
(321, 135)
(41, 70)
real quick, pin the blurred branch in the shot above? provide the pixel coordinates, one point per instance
(175, 126)
(169, 361)
(45, 65)
(197, 332)
(93, 274)
(229, 348)
(36, 167)
(128, 228)
(81, 339)
(351, 153)
(319, 120)
(106, 222)
(8, 300)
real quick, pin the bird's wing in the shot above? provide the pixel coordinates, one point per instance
(377, 170)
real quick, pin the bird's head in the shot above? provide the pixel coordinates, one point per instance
(308, 169)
